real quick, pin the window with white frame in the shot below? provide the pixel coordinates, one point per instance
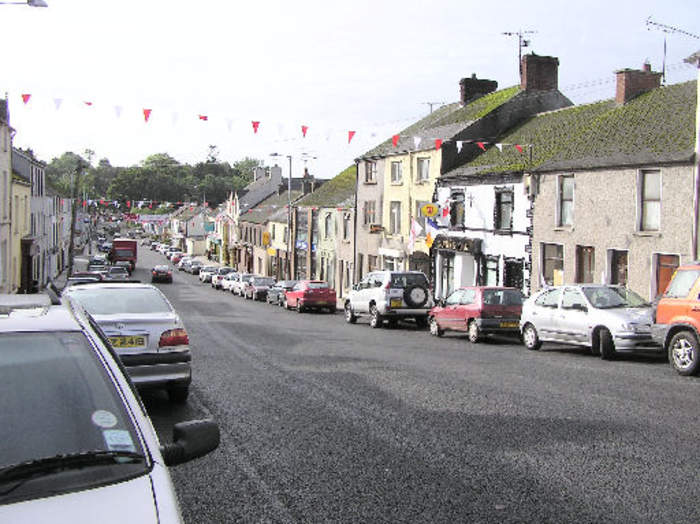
(327, 222)
(423, 171)
(396, 172)
(503, 213)
(552, 263)
(650, 200)
(565, 200)
(370, 212)
(394, 218)
(370, 171)
(346, 226)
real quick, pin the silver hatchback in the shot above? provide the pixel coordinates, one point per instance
(605, 318)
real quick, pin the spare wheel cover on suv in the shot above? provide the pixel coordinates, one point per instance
(415, 296)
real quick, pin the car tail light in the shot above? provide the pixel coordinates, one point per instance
(174, 337)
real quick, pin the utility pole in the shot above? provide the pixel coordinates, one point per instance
(666, 29)
(522, 42)
(73, 213)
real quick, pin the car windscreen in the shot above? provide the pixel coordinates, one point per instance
(682, 283)
(263, 281)
(502, 297)
(124, 252)
(613, 297)
(225, 270)
(404, 280)
(121, 300)
(56, 398)
(318, 285)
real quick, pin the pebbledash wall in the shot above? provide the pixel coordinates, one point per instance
(607, 208)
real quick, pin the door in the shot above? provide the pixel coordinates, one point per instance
(618, 268)
(544, 314)
(449, 316)
(572, 318)
(665, 266)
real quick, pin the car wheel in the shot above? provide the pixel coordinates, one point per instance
(300, 306)
(473, 332)
(286, 304)
(606, 345)
(350, 317)
(375, 319)
(435, 328)
(683, 353)
(530, 338)
(178, 394)
(280, 302)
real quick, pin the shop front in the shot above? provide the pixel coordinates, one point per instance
(456, 263)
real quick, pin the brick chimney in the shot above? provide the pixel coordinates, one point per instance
(539, 73)
(633, 82)
(472, 88)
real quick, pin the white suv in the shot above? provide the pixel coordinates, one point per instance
(390, 295)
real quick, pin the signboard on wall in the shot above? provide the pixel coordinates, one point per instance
(429, 210)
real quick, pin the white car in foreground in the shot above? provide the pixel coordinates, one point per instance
(77, 445)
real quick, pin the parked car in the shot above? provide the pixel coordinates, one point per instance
(183, 263)
(217, 277)
(205, 273)
(88, 274)
(608, 319)
(239, 282)
(155, 246)
(391, 296)
(478, 311)
(82, 445)
(162, 273)
(275, 295)
(310, 294)
(226, 282)
(176, 257)
(98, 268)
(193, 267)
(256, 288)
(677, 320)
(146, 332)
(125, 264)
(117, 273)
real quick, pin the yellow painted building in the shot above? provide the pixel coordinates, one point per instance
(409, 183)
(20, 199)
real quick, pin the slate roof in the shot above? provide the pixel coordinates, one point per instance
(336, 192)
(655, 127)
(272, 205)
(444, 123)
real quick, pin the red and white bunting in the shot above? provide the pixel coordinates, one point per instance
(304, 129)
(350, 135)
(26, 97)
(438, 143)
(395, 140)
(256, 125)
(146, 114)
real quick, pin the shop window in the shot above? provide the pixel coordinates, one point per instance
(447, 276)
(552, 264)
(513, 273)
(491, 271)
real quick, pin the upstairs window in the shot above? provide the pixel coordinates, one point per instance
(565, 207)
(370, 212)
(503, 214)
(423, 171)
(396, 172)
(650, 199)
(395, 218)
(370, 172)
(457, 210)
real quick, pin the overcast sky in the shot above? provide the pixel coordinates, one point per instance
(363, 66)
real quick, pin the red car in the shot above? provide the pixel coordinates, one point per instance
(308, 294)
(478, 311)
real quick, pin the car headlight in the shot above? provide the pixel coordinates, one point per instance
(636, 327)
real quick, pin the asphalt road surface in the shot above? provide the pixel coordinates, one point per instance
(322, 421)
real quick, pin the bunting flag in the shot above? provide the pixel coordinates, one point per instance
(350, 135)
(203, 117)
(118, 111)
(416, 141)
(459, 146)
(26, 97)
(146, 114)
(87, 103)
(57, 102)
(416, 229)
(431, 231)
(500, 147)
(438, 143)
(519, 148)
(229, 124)
(128, 203)
(481, 145)
(304, 129)
(395, 140)
(256, 125)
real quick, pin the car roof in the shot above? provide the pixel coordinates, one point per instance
(34, 313)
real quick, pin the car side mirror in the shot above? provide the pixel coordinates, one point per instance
(191, 440)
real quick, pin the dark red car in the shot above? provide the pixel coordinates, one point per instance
(310, 294)
(478, 311)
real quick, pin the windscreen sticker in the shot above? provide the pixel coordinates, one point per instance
(104, 419)
(118, 440)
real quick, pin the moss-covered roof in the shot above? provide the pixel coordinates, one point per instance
(444, 123)
(658, 126)
(269, 207)
(339, 190)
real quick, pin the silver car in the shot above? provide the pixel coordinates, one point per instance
(145, 331)
(605, 318)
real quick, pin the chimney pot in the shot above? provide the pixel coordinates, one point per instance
(539, 73)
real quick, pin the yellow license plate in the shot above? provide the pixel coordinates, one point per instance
(395, 302)
(128, 342)
(508, 324)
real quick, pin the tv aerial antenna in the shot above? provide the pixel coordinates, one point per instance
(667, 29)
(522, 42)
